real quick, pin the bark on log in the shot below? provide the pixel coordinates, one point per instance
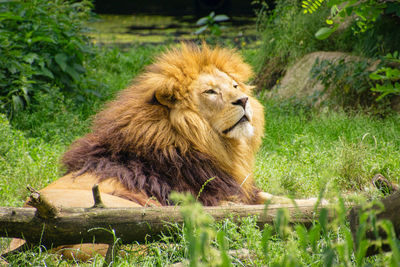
(391, 212)
(85, 225)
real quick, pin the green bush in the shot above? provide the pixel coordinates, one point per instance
(346, 82)
(42, 45)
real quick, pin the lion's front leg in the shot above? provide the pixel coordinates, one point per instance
(263, 197)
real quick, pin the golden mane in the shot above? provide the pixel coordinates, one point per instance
(154, 121)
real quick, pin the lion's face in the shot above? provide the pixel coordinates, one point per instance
(224, 103)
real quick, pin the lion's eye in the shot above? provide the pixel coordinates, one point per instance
(235, 86)
(210, 91)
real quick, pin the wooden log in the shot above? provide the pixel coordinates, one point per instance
(87, 225)
(391, 212)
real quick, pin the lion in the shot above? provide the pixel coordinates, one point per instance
(188, 120)
(188, 123)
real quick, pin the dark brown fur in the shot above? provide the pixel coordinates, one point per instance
(155, 174)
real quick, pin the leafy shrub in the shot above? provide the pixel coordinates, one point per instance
(42, 44)
(346, 82)
(363, 13)
(352, 83)
(387, 77)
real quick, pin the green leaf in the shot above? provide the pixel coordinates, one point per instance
(266, 235)
(79, 68)
(26, 94)
(226, 262)
(323, 220)
(42, 39)
(201, 29)
(71, 72)
(375, 76)
(216, 30)
(17, 103)
(314, 236)
(29, 58)
(329, 21)
(10, 16)
(302, 236)
(46, 72)
(61, 60)
(324, 33)
(221, 18)
(202, 21)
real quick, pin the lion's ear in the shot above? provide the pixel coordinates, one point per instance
(165, 98)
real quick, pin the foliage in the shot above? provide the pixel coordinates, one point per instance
(262, 9)
(348, 82)
(365, 13)
(345, 81)
(42, 46)
(51, 113)
(211, 23)
(388, 78)
(197, 232)
(287, 35)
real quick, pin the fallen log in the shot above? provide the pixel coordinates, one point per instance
(87, 225)
(50, 226)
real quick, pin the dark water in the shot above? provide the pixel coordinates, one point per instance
(125, 30)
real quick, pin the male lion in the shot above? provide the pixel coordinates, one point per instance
(188, 122)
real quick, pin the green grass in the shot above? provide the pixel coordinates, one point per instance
(303, 152)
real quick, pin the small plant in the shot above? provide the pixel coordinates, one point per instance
(205, 243)
(387, 78)
(211, 23)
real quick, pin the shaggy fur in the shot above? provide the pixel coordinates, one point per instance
(154, 139)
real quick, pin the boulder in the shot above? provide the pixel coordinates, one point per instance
(297, 83)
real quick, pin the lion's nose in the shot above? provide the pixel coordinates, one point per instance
(241, 101)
